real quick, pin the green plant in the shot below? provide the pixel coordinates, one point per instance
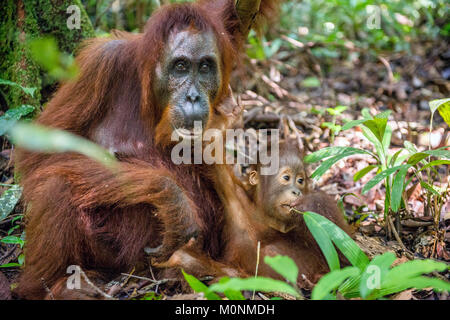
(365, 279)
(59, 65)
(362, 26)
(392, 168)
(39, 138)
(334, 128)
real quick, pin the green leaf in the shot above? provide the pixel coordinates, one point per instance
(377, 126)
(12, 116)
(8, 200)
(29, 91)
(331, 281)
(361, 173)
(342, 240)
(329, 152)
(10, 265)
(323, 240)
(383, 115)
(352, 123)
(311, 82)
(199, 286)
(435, 163)
(13, 240)
(39, 138)
(397, 188)
(255, 284)
(343, 153)
(408, 275)
(374, 140)
(439, 153)
(336, 111)
(443, 106)
(284, 266)
(375, 273)
(381, 176)
(429, 188)
(46, 53)
(233, 295)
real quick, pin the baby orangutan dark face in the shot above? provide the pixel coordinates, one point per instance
(275, 194)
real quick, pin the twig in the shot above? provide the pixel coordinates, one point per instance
(258, 249)
(107, 296)
(397, 237)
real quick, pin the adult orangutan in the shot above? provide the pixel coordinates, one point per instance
(133, 91)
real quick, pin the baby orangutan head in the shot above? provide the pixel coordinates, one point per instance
(275, 194)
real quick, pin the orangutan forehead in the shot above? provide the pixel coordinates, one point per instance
(192, 44)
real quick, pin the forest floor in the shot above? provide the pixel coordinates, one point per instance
(293, 83)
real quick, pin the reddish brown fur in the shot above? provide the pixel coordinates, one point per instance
(245, 226)
(83, 214)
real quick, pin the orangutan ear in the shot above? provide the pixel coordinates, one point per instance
(253, 178)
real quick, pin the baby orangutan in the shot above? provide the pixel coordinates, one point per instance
(264, 215)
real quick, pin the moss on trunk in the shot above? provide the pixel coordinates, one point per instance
(22, 20)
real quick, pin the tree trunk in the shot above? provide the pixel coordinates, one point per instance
(21, 21)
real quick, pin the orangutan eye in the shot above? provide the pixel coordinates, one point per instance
(204, 67)
(181, 66)
(286, 177)
(300, 180)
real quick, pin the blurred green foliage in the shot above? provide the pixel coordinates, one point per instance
(371, 25)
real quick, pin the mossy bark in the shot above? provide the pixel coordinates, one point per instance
(22, 20)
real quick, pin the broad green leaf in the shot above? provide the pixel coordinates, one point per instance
(377, 126)
(255, 284)
(352, 123)
(361, 173)
(13, 240)
(375, 273)
(410, 147)
(331, 281)
(325, 165)
(386, 143)
(417, 283)
(342, 240)
(381, 176)
(429, 188)
(323, 240)
(284, 265)
(408, 275)
(397, 188)
(39, 138)
(12, 116)
(29, 91)
(366, 114)
(416, 158)
(199, 286)
(8, 200)
(233, 295)
(443, 106)
(414, 268)
(377, 144)
(330, 152)
(439, 153)
(46, 53)
(383, 115)
(435, 163)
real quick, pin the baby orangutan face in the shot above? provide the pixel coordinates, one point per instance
(275, 194)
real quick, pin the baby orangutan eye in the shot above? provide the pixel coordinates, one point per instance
(300, 180)
(286, 177)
